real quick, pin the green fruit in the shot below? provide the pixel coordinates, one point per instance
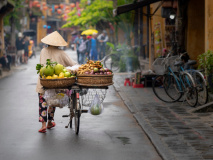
(67, 74)
(48, 70)
(58, 69)
(95, 69)
(42, 71)
(64, 70)
(95, 110)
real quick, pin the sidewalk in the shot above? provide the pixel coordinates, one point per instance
(176, 133)
(12, 70)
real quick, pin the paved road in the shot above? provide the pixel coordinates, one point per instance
(113, 135)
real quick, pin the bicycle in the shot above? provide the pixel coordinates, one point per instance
(201, 84)
(170, 85)
(111, 61)
(78, 98)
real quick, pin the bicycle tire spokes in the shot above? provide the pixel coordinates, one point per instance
(191, 94)
(162, 87)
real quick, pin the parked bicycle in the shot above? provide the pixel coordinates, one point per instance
(171, 84)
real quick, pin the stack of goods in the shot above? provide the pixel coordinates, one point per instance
(93, 68)
(55, 75)
(93, 74)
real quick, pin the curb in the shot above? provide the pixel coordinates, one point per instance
(162, 150)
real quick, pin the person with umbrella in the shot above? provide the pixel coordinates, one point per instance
(94, 47)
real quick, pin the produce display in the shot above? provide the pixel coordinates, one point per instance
(93, 68)
(53, 70)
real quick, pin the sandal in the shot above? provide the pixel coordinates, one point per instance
(42, 130)
(53, 125)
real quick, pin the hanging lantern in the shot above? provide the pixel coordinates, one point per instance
(56, 6)
(67, 11)
(45, 7)
(61, 6)
(44, 26)
(59, 11)
(51, 9)
(44, 3)
(67, 8)
(72, 5)
(38, 5)
(36, 2)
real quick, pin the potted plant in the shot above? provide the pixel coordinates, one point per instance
(128, 60)
(206, 63)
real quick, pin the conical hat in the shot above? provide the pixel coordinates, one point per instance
(54, 39)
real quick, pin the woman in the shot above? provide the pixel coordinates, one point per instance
(53, 40)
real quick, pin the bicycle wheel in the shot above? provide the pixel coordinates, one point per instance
(77, 121)
(77, 113)
(190, 89)
(111, 62)
(201, 87)
(172, 87)
(159, 90)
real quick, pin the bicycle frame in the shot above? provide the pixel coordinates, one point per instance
(179, 80)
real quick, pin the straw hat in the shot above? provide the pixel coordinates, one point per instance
(54, 39)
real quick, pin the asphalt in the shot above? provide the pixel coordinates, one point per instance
(176, 132)
(115, 134)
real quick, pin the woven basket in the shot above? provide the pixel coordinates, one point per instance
(57, 83)
(95, 80)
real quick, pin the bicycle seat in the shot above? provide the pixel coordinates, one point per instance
(191, 62)
(179, 63)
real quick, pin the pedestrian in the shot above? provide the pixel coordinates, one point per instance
(26, 49)
(94, 47)
(19, 48)
(77, 43)
(54, 41)
(102, 38)
(83, 49)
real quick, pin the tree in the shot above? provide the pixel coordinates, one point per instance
(13, 19)
(101, 10)
(90, 14)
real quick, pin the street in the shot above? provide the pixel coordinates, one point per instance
(115, 134)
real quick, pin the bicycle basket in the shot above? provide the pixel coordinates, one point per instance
(88, 97)
(171, 62)
(159, 66)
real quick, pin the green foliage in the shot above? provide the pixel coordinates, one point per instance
(206, 61)
(91, 14)
(127, 57)
(128, 63)
(102, 10)
(16, 13)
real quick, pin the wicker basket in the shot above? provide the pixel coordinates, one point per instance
(95, 80)
(57, 83)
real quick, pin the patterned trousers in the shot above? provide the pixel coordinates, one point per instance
(43, 110)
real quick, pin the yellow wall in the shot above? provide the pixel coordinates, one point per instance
(208, 25)
(41, 32)
(196, 28)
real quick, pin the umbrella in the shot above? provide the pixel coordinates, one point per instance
(29, 33)
(89, 32)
